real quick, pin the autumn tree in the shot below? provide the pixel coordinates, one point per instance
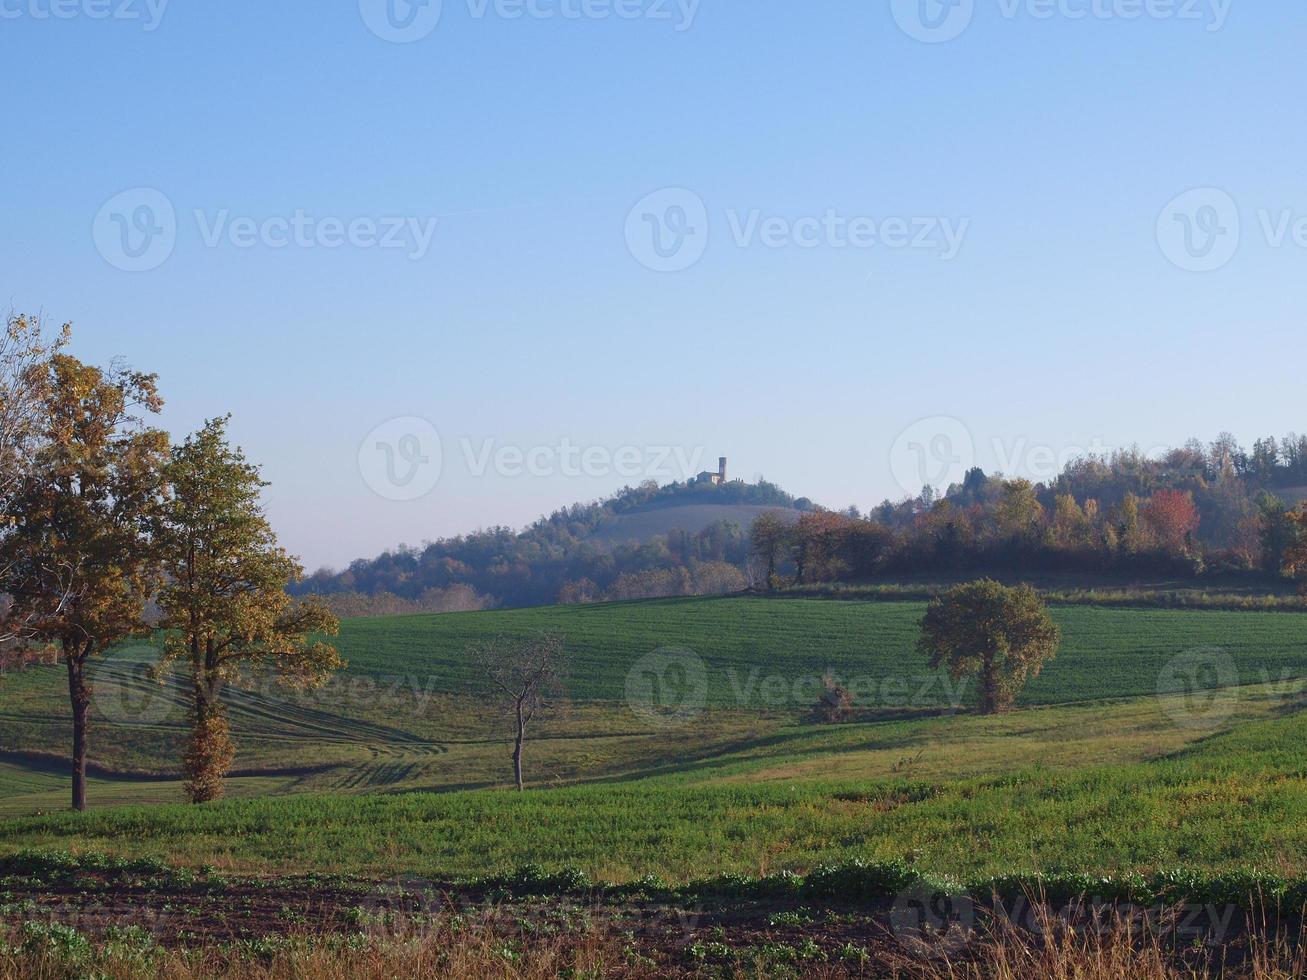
(1130, 533)
(1003, 635)
(1295, 552)
(1172, 518)
(769, 534)
(225, 606)
(1070, 529)
(25, 352)
(945, 533)
(80, 552)
(1018, 513)
(817, 541)
(1277, 530)
(525, 676)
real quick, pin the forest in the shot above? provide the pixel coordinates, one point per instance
(1202, 510)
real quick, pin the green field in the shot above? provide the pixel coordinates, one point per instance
(1157, 738)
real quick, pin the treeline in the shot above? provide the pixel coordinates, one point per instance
(565, 557)
(1195, 511)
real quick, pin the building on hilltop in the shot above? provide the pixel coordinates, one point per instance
(716, 479)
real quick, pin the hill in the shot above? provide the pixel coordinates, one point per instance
(680, 539)
(659, 520)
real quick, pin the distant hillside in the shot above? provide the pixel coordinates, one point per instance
(661, 519)
(648, 541)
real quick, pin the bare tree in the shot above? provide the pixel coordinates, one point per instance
(526, 674)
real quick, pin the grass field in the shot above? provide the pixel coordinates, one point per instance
(402, 716)
(1157, 737)
(1234, 801)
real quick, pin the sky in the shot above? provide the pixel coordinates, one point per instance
(454, 265)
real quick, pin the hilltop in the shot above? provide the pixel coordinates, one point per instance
(647, 541)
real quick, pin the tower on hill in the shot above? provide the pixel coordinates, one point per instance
(716, 479)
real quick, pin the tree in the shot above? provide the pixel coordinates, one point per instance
(1070, 528)
(1130, 533)
(817, 539)
(225, 606)
(80, 552)
(1295, 554)
(526, 676)
(1278, 531)
(1002, 634)
(1018, 513)
(1173, 518)
(769, 534)
(25, 354)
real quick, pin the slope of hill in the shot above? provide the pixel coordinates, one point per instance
(646, 523)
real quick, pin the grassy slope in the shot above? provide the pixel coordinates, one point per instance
(1089, 784)
(1235, 800)
(1105, 652)
(392, 722)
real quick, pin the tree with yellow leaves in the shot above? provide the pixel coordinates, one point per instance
(225, 604)
(78, 548)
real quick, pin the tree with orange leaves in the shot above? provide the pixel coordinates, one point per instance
(1173, 518)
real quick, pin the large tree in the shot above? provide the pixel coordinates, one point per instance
(526, 678)
(79, 549)
(225, 604)
(1002, 635)
(25, 353)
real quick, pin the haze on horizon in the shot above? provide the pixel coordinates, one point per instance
(588, 251)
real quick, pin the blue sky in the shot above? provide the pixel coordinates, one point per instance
(1050, 145)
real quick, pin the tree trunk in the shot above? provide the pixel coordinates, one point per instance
(80, 697)
(988, 686)
(209, 753)
(517, 748)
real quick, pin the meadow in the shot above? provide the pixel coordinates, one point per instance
(1235, 801)
(407, 714)
(1102, 767)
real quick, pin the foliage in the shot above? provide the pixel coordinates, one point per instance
(1295, 551)
(1001, 634)
(80, 552)
(25, 353)
(225, 606)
